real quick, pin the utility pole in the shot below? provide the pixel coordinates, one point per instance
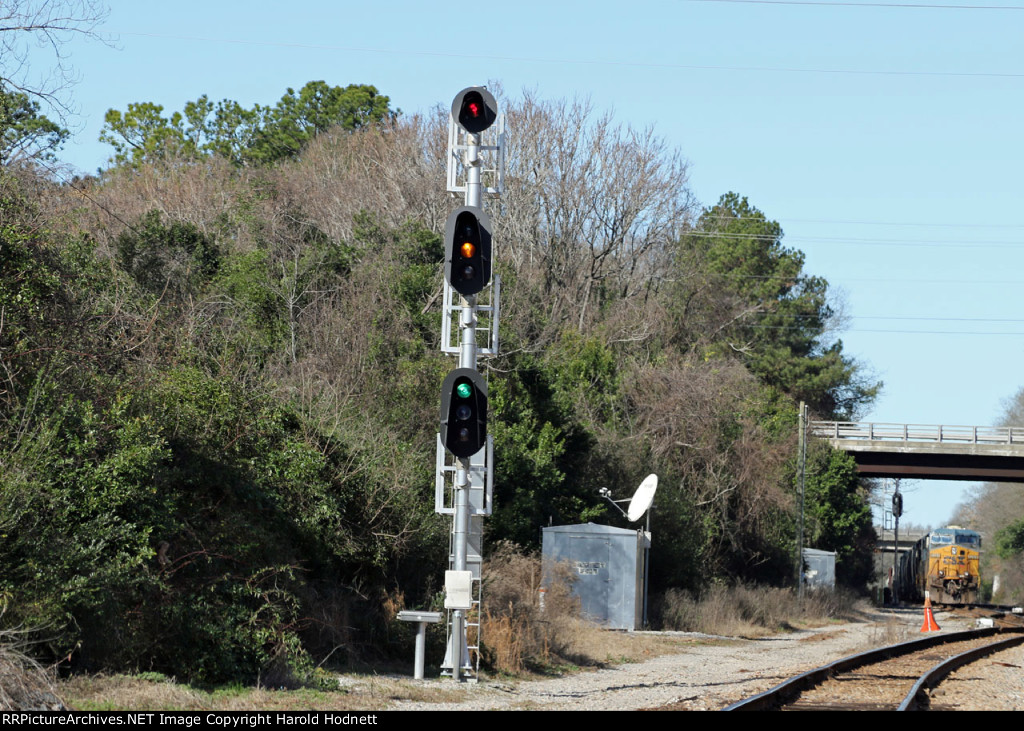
(802, 473)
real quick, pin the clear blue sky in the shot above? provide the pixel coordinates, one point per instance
(885, 140)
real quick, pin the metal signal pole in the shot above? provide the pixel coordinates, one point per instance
(464, 395)
(897, 511)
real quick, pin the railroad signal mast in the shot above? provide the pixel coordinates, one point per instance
(464, 472)
(897, 512)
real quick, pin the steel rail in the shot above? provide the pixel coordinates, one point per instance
(918, 698)
(788, 690)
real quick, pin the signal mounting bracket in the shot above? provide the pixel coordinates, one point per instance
(481, 480)
(487, 345)
(492, 147)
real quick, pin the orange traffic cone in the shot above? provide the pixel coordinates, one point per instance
(930, 625)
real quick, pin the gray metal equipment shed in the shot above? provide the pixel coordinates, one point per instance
(819, 569)
(608, 565)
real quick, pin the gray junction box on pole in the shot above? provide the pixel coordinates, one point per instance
(607, 565)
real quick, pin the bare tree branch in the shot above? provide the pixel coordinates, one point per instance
(47, 26)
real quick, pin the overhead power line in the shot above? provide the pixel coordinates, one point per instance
(901, 332)
(928, 318)
(824, 3)
(837, 221)
(786, 240)
(884, 280)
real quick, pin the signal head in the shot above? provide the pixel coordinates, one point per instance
(467, 246)
(475, 109)
(464, 412)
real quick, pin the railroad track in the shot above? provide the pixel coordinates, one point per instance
(981, 607)
(897, 677)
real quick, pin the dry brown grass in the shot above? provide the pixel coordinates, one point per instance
(744, 611)
(579, 643)
(520, 636)
(24, 684)
(517, 632)
(892, 632)
(125, 692)
(505, 642)
(355, 693)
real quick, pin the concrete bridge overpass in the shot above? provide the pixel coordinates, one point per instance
(930, 452)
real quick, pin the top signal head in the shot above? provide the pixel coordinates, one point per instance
(474, 109)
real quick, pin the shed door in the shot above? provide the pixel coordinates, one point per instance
(593, 578)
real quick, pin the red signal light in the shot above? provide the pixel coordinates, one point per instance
(474, 109)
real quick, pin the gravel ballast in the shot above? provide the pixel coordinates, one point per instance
(713, 672)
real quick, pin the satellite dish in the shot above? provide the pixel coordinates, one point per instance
(642, 498)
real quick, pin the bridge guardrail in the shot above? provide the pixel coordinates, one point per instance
(917, 432)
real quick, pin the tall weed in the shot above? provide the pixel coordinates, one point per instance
(520, 630)
(24, 684)
(747, 610)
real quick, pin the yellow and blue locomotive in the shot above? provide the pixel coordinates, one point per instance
(945, 564)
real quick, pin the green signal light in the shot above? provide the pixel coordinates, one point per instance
(464, 390)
